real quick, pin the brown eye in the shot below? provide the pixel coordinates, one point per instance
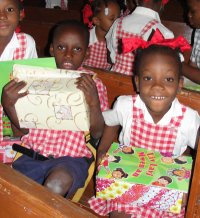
(10, 9)
(169, 79)
(61, 47)
(147, 78)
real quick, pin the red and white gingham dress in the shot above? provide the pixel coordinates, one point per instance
(124, 62)
(98, 56)
(153, 137)
(63, 143)
(20, 52)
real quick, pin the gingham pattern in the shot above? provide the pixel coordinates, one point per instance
(63, 143)
(154, 137)
(103, 208)
(195, 56)
(124, 62)
(98, 56)
(20, 52)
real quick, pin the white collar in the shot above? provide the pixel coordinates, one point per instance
(174, 111)
(147, 12)
(93, 37)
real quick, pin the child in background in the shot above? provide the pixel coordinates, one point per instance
(147, 119)
(68, 156)
(192, 70)
(57, 4)
(99, 15)
(14, 45)
(138, 24)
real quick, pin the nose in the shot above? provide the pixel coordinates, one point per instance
(68, 53)
(3, 15)
(157, 85)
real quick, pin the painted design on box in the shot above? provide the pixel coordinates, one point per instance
(53, 101)
(143, 178)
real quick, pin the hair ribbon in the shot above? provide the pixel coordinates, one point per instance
(87, 14)
(131, 44)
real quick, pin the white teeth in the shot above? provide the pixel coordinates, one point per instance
(158, 97)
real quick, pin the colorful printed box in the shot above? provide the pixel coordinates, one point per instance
(53, 102)
(6, 153)
(143, 178)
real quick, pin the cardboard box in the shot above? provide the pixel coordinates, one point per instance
(53, 102)
(143, 178)
(6, 153)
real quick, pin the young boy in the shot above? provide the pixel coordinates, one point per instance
(68, 156)
(139, 23)
(192, 70)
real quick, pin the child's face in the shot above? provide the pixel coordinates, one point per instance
(163, 181)
(194, 13)
(69, 48)
(9, 17)
(117, 174)
(105, 21)
(158, 83)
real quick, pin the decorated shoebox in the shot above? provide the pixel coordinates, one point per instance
(6, 153)
(5, 74)
(53, 100)
(143, 178)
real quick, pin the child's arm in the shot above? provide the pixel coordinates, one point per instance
(191, 72)
(10, 96)
(109, 134)
(88, 86)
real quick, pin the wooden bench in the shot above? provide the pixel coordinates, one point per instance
(40, 30)
(46, 15)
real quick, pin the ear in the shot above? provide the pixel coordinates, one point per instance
(21, 15)
(96, 21)
(136, 79)
(87, 54)
(180, 84)
(51, 50)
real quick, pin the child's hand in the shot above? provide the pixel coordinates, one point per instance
(10, 93)
(86, 84)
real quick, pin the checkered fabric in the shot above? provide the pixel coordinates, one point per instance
(124, 62)
(63, 5)
(63, 143)
(154, 137)
(20, 52)
(103, 207)
(195, 56)
(98, 56)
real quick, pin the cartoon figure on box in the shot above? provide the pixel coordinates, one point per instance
(119, 173)
(125, 149)
(178, 160)
(109, 158)
(162, 181)
(180, 173)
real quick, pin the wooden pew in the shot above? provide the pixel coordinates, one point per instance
(39, 30)
(46, 15)
(22, 197)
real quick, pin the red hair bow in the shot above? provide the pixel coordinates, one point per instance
(164, 2)
(131, 44)
(87, 14)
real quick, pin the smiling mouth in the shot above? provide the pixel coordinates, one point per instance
(158, 97)
(67, 65)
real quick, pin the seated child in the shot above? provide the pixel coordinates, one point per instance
(147, 119)
(101, 14)
(68, 156)
(14, 45)
(192, 70)
(139, 23)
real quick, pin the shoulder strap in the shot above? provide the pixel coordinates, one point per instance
(21, 51)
